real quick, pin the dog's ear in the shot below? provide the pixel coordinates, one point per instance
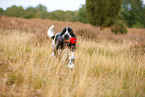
(70, 30)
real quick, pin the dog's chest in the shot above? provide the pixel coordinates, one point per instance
(64, 53)
(65, 44)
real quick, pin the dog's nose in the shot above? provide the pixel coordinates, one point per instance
(66, 36)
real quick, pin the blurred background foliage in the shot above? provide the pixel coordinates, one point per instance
(129, 13)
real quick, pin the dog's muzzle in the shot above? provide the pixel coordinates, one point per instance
(66, 37)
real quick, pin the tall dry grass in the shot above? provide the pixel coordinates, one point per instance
(103, 68)
(105, 65)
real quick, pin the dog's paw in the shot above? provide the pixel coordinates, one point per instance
(70, 65)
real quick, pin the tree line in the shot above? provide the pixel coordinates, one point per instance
(40, 12)
(102, 13)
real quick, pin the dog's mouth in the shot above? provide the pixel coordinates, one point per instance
(66, 40)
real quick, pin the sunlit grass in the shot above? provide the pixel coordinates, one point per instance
(102, 68)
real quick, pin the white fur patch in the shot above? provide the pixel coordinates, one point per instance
(50, 31)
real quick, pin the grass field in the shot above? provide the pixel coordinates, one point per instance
(106, 65)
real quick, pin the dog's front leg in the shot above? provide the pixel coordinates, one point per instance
(71, 60)
(72, 56)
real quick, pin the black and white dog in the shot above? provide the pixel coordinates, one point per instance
(61, 40)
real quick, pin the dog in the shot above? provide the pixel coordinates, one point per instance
(63, 40)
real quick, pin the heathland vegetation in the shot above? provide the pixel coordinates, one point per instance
(128, 12)
(106, 64)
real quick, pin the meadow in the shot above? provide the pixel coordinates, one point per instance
(106, 65)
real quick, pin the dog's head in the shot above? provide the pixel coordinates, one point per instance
(67, 33)
(69, 37)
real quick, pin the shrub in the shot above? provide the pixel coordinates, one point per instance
(119, 27)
